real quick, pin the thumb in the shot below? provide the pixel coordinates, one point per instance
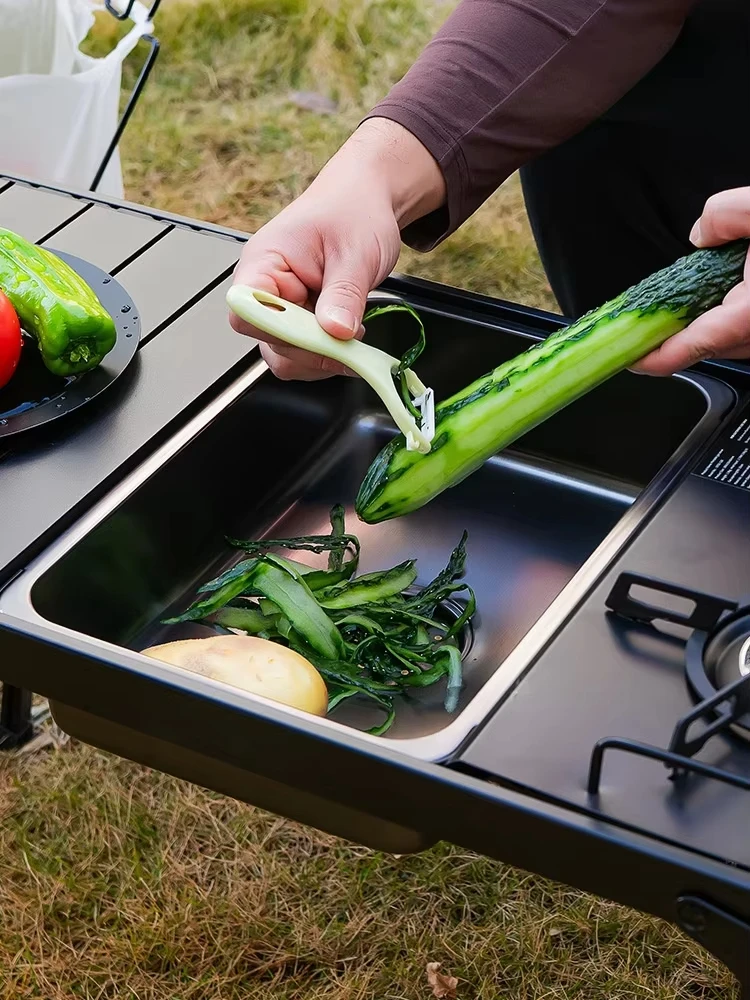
(726, 216)
(343, 298)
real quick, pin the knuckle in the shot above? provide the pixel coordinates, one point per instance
(240, 326)
(279, 365)
(345, 288)
(699, 351)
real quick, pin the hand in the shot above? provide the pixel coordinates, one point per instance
(722, 332)
(340, 239)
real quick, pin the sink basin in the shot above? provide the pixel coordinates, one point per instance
(544, 517)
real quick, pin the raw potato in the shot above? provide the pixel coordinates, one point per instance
(252, 664)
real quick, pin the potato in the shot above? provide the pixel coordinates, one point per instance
(252, 664)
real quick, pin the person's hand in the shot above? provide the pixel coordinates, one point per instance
(722, 332)
(333, 245)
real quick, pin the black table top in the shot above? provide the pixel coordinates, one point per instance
(177, 274)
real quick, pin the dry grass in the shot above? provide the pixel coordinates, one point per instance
(120, 882)
(218, 136)
(117, 882)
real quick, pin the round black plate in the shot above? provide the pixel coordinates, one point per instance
(34, 396)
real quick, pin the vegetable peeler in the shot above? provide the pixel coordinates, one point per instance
(297, 326)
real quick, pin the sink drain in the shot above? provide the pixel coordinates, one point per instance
(447, 613)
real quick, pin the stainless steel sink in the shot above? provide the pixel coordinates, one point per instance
(544, 517)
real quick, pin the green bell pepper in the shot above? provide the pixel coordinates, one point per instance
(71, 327)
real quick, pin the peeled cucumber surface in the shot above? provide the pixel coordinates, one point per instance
(519, 394)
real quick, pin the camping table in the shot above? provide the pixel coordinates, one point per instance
(177, 271)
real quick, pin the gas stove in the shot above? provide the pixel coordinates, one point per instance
(644, 697)
(717, 672)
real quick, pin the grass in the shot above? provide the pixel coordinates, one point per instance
(118, 882)
(218, 136)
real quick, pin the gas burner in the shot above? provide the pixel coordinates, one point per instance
(717, 668)
(720, 662)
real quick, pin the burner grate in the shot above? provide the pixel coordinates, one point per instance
(718, 709)
(728, 707)
(677, 763)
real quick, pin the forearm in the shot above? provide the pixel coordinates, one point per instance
(505, 80)
(387, 159)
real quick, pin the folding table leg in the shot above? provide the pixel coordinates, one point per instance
(725, 935)
(16, 726)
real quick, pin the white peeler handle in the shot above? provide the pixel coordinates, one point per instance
(298, 327)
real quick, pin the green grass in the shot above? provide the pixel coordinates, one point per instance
(117, 882)
(217, 136)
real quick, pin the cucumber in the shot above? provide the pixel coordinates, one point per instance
(501, 406)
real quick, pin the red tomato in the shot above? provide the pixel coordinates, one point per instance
(11, 340)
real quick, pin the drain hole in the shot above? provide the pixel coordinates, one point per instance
(448, 613)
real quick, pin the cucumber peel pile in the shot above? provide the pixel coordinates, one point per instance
(372, 636)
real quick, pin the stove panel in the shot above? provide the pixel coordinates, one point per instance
(605, 677)
(728, 461)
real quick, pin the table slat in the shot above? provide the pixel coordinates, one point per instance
(106, 237)
(34, 214)
(173, 271)
(45, 486)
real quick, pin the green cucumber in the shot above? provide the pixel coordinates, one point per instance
(519, 394)
(270, 577)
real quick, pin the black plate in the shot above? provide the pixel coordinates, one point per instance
(34, 396)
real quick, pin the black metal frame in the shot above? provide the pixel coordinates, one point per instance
(679, 763)
(123, 15)
(148, 65)
(683, 743)
(717, 709)
(708, 899)
(723, 934)
(16, 724)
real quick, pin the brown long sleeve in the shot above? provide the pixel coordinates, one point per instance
(505, 80)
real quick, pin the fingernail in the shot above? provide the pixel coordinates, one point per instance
(343, 317)
(695, 234)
